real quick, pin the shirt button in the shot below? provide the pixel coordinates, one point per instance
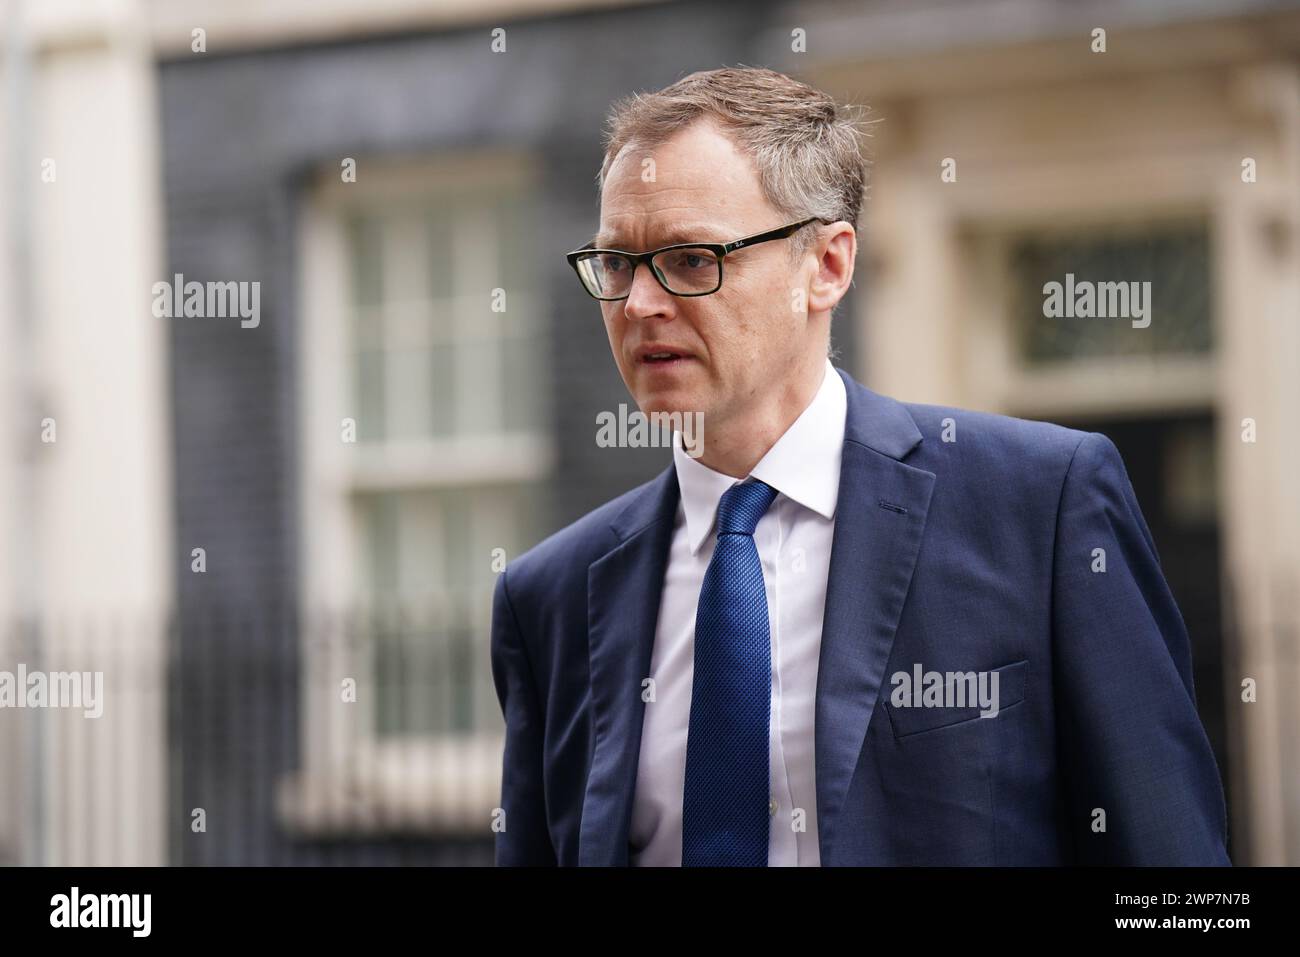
(771, 806)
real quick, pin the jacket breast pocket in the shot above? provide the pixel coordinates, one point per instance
(961, 696)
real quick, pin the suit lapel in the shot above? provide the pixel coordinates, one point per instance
(623, 592)
(879, 522)
(873, 555)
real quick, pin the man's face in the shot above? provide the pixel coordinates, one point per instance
(737, 346)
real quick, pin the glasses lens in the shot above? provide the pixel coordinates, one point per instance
(688, 271)
(606, 275)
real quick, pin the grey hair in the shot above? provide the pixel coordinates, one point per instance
(806, 147)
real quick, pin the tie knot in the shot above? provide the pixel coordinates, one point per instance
(742, 506)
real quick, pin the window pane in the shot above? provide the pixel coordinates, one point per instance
(370, 395)
(407, 390)
(380, 525)
(364, 238)
(516, 241)
(522, 407)
(428, 637)
(439, 225)
(478, 362)
(1102, 280)
(432, 359)
(442, 376)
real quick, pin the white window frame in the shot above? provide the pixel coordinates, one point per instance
(352, 781)
(1100, 385)
(979, 227)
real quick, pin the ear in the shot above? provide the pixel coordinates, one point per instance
(836, 253)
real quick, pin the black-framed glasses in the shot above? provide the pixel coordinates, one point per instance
(683, 269)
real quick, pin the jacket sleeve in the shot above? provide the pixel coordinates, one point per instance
(524, 839)
(1131, 743)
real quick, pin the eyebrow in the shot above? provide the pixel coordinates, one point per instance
(670, 236)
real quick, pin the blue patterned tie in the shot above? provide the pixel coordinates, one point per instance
(725, 802)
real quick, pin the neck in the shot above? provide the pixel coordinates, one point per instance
(736, 447)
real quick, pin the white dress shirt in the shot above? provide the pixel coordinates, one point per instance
(794, 546)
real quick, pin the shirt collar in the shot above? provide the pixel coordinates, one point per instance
(803, 465)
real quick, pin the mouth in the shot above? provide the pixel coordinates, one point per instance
(660, 358)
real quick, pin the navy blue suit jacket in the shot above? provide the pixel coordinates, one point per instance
(967, 555)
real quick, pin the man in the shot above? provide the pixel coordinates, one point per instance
(853, 630)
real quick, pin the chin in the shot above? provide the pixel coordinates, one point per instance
(667, 403)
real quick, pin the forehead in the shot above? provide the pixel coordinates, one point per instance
(663, 234)
(697, 186)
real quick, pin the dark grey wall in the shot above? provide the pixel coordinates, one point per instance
(240, 134)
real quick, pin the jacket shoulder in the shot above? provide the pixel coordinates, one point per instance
(575, 546)
(986, 436)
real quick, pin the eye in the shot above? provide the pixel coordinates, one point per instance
(689, 260)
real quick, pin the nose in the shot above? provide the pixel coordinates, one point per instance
(647, 299)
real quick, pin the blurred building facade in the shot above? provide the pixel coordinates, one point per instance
(1018, 143)
(298, 524)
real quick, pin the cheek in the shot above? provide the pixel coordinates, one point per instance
(719, 327)
(760, 322)
(614, 327)
(782, 299)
